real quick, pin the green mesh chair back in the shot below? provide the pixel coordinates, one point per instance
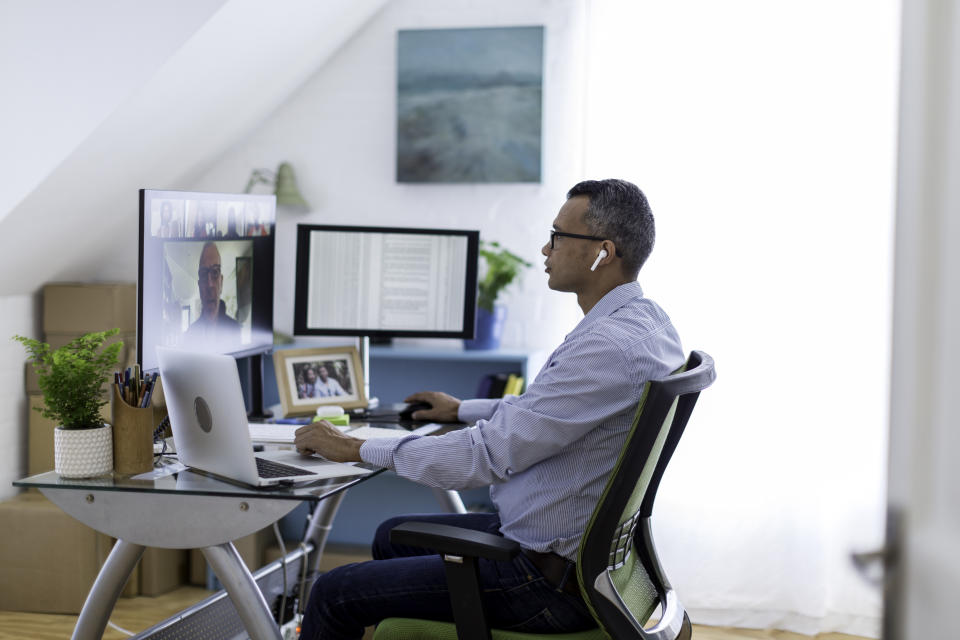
(620, 575)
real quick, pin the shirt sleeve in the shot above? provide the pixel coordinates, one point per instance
(472, 410)
(581, 386)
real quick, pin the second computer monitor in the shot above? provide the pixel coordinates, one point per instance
(385, 282)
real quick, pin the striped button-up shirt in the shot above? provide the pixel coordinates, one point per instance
(548, 452)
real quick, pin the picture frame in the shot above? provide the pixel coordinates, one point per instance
(451, 84)
(311, 378)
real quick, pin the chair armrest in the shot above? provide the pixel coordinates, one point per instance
(454, 540)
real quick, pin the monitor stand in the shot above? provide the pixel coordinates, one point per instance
(255, 378)
(365, 363)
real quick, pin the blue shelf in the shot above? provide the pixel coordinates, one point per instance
(453, 355)
(396, 372)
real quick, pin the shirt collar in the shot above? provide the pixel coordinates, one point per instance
(613, 300)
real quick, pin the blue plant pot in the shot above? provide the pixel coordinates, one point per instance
(489, 329)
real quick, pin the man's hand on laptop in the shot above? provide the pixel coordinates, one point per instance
(323, 438)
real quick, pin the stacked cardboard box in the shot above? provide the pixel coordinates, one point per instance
(49, 560)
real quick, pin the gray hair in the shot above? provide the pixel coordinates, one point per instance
(619, 211)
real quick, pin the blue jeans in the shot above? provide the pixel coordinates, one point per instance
(410, 582)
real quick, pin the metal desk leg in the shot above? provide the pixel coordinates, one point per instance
(321, 521)
(243, 591)
(106, 589)
(450, 500)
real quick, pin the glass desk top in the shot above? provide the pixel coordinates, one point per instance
(171, 477)
(177, 480)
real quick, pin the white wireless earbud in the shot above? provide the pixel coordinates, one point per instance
(600, 256)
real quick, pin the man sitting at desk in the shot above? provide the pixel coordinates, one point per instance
(547, 453)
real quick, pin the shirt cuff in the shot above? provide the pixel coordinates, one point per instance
(379, 451)
(480, 409)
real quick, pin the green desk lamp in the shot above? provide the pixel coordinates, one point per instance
(284, 186)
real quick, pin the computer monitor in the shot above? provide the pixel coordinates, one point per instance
(385, 282)
(206, 273)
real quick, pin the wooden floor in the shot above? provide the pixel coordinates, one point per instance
(137, 614)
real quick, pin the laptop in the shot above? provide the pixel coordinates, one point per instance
(209, 423)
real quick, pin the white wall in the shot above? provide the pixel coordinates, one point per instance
(234, 70)
(16, 317)
(339, 133)
(765, 136)
(65, 66)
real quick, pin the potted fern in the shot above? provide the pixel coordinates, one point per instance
(502, 268)
(72, 380)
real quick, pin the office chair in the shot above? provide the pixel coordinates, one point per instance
(619, 573)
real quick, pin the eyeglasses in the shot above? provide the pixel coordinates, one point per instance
(554, 233)
(205, 273)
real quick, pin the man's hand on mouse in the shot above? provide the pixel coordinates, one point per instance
(443, 406)
(324, 438)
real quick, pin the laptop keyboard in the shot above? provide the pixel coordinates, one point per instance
(271, 469)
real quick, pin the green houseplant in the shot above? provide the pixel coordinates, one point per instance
(502, 268)
(72, 379)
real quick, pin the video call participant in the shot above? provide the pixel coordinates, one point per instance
(169, 228)
(547, 453)
(213, 324)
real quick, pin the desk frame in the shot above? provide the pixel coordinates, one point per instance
(142, 519)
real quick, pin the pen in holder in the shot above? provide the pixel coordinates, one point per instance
(132, 437)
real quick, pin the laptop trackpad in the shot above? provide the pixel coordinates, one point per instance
(313, 464)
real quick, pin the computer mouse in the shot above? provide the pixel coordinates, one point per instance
(407, 412)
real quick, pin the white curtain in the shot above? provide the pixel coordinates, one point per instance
(764, 135)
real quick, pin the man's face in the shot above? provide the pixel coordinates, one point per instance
(323, 374)
(568, 263)
(210, 280)
(310, 375)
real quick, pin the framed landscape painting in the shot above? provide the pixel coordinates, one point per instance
(469, 105)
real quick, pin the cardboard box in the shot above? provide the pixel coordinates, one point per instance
(252, 547)
(198, 569)
(39, 439)
(162, 570)
(81, 308)
(30, 382)
(48, 560)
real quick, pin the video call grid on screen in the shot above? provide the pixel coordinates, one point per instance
(389, 282)
(206, 273)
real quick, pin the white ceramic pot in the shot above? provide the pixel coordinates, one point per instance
(83, 453)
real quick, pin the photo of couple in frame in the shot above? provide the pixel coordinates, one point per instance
(311, 378)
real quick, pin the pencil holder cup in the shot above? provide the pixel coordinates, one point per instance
(132, 437)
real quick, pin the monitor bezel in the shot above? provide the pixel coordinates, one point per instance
(301, 288)
(251, 350)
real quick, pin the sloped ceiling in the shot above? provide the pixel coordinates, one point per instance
(79, 222)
